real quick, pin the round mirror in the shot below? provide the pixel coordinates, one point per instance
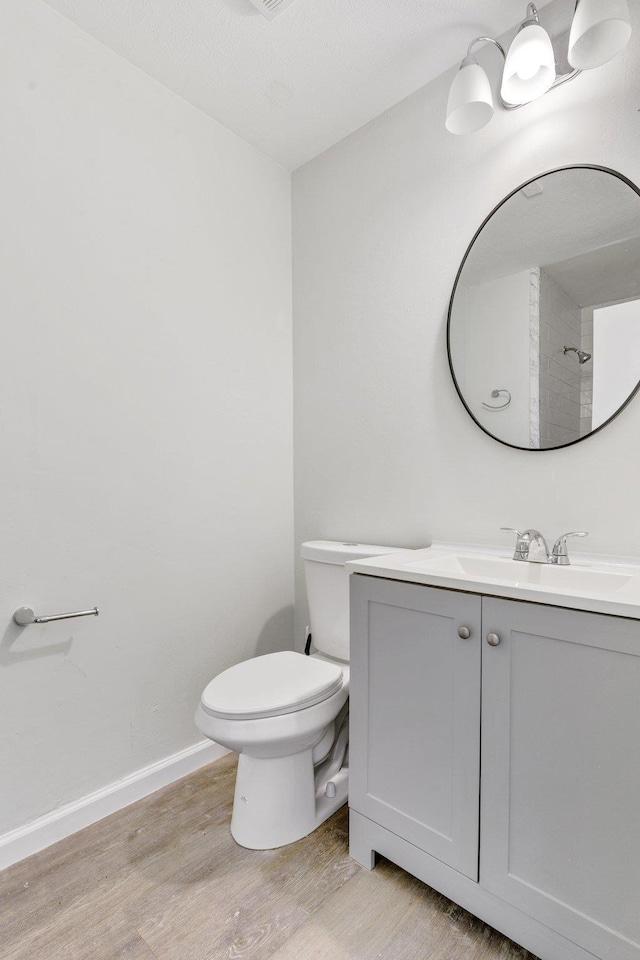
(544, 320)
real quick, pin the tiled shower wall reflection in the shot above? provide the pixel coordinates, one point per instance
(565, 385)
(586, 376)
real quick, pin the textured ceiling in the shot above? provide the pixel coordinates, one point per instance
(578, 211)
(297, 84)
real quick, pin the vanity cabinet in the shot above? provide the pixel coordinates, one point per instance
(538, 733)
(560, 795)
(414, 721)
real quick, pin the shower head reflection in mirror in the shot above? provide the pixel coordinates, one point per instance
(581, 355)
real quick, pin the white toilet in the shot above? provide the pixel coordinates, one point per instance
(286, 714)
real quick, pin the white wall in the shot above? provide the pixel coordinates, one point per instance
(385, 451)
(616, 349)
(145, 411)
(496, 321)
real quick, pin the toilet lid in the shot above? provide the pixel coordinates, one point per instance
(270, 685)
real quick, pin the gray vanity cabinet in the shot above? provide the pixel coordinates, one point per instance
(560, 804)
(554, 861)
(415, 719)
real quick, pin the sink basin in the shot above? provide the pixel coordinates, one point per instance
(583, 579)
(600, 584)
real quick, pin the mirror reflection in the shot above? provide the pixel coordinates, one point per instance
(544, 321)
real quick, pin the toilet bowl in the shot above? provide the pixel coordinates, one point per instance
(286, 715)
(276, 798)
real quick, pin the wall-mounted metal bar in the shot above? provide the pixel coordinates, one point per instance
(25, 615)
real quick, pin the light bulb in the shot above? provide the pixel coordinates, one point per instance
(529, 70)
(528, 67)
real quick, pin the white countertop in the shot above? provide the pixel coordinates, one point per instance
(600, 584)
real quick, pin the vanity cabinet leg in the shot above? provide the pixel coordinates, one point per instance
(359, 847)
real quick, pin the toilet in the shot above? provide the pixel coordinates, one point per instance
(286, 714)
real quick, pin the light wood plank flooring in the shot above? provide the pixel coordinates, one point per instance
(163, 880)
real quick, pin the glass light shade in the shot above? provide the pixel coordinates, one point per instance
(600, 30)
(530, 67)
(470, 103)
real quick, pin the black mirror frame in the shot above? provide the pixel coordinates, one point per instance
(561, 446)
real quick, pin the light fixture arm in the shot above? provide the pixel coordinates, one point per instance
(486, 40)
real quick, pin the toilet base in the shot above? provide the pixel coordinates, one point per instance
(275, 800)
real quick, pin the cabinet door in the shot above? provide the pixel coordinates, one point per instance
(415, 715)
(560, 810)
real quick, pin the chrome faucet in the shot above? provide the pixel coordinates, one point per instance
(532, 546)
(559, 553)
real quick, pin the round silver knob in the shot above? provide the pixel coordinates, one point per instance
(464, 633)
(24, 616)
(493, 639)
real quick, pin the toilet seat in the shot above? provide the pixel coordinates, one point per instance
(271, 685)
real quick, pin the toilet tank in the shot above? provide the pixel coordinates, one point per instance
(327, 583)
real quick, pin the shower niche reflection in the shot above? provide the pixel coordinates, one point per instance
(544, 320)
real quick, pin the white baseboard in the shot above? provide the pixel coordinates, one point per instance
(61, 823)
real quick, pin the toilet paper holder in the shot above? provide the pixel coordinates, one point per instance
(25, 615)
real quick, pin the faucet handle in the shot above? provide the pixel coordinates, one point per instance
(520, 549)
(559, 553)
(511, 530)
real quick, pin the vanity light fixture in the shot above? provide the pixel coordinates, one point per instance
(470, 104)
(530, 65)
(600, 30)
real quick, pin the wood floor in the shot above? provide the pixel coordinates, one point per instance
(163, 880)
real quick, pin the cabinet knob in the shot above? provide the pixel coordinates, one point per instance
(464, 633)
(493, 639)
